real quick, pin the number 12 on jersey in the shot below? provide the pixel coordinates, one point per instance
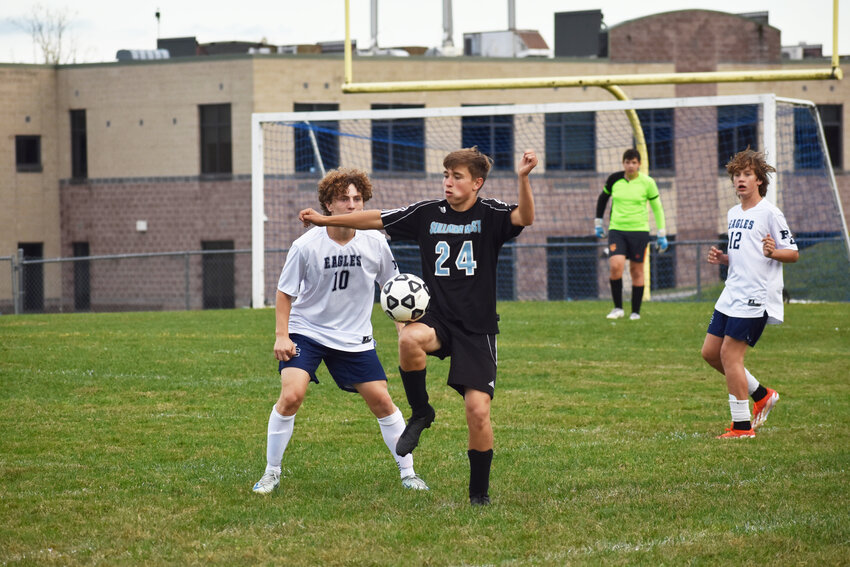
(735, 240)
(465, 259)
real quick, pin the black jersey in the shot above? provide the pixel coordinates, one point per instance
(459, 251)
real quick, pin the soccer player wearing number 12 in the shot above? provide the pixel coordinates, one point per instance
(323, 312)
(459, 240)
(759, 243)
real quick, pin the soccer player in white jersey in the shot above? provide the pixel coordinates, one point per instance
(759, 243)
(459, 239)
(323, 312)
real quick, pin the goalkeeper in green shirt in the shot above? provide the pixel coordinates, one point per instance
(628, 229)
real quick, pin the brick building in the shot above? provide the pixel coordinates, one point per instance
(155, 155)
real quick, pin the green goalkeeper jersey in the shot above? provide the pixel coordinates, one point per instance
(628, 211)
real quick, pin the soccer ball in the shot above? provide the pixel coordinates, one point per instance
(405, 298)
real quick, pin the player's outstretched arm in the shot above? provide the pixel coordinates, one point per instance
(523, 215)
(362, 220)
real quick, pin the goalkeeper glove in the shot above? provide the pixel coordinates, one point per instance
(600, 232)
(662, 244)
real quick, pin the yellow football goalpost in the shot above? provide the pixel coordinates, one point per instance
(611, 83)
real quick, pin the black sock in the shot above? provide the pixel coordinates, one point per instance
(742, 425)
(479, 472)
(414, 389)
(637, 297)
(759, 394)
(617, 293)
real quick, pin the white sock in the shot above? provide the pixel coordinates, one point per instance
(392, 427)
(740, 409)
(279, 434)
(752, 383)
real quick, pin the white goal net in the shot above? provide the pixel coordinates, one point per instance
(689, 140)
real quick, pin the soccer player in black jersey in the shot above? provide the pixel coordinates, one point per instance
(459, 240)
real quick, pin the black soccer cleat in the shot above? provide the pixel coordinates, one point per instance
(409, 438)
(479, 500)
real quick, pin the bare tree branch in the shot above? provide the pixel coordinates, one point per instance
(48, 29)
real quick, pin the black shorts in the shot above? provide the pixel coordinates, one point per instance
(473, 356)
(630, 244)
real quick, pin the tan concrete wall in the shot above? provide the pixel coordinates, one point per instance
(29, 201)
(282, 81)
(143, 118)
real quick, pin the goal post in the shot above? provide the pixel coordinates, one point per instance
(579, 145)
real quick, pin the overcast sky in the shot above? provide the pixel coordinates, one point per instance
(99, 28)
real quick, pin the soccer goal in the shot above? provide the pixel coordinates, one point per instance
(688, 142)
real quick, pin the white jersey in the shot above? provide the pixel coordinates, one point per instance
(754, 284)
(334, 286)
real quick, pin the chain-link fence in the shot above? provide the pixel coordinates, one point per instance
(202, 279)
(560, 270)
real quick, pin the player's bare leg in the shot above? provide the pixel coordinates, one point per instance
(293, 388)
(617, 265)
(711, 352)
(732, 353)
(732, 357)
(414, 343)
(377, 397)
(477, 405)
(391, 423)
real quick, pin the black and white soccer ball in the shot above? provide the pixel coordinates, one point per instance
(405, 298)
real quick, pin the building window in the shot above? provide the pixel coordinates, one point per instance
(737, 128)
(831, 119)
(216, 144)
(219, 274)
(494, 136)
(398, 144)
(79, 151)
(31, 284)
(28, 153)
(657, 127)
(316, 137)
(571, 141)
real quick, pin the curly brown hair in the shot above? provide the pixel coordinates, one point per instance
(477, 163)
(336, 182)
(754, 160)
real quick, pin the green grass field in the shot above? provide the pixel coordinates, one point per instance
(134, 439)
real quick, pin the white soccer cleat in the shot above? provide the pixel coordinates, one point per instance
(268, 483)
(634, 316)
(414, 482)
(616, 313)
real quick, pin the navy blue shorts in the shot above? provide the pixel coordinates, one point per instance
(473, 356)
(346, 368)
(747, 329)
(630, 244)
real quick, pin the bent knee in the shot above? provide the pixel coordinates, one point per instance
(382, 406)
(416, 339)
(289, 403)
(478, 414)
